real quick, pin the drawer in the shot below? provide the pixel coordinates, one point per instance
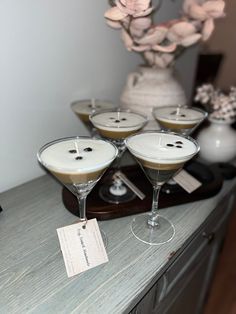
(205, 236)
(185, 296)
(151, 298)
(198, 251)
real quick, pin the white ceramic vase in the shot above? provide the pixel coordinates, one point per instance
(217, 141)
(151, 87)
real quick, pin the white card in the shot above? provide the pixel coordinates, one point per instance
(82, 248)
(187, 181)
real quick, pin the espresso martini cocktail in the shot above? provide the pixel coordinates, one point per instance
(78, 163)
(84, 108)
(78, 160)
(160, 155)
(116, 125)
(181, 120)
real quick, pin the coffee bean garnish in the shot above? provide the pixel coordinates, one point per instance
(90, 106)
(78, 157)
(170, 145)
(72, 151)
(123, 119)
(178, 142)
(183, 115)
(178, 146)
(111, 118)
(117, 121)
(88, 149)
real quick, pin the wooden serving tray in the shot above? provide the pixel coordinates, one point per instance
(97, 208)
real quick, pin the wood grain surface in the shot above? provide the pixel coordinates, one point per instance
(32, 273)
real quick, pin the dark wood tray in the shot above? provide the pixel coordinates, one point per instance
(97, 208)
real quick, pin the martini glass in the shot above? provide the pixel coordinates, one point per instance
(161, 155)
(183, 120)
(115, 125)
(83, 108)
(78, 163)
(180, 119)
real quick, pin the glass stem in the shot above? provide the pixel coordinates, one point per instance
(82, 207)
(118, 188)
(118, 162)
(153, 219)
(121, 149)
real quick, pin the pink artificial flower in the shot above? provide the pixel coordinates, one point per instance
(141, 48)
(152, 41)
(139, 25)
(208, 28)
(183, 33)
(114, 14)
(196, 12)
(203, 10)
(190, 40)
(136, 5)
(214, 9)
(163, 60)
(158, 60)
(153, 36)
(113, 24)
(158, 43)
(165, 48)
(149, 57)
(128, 41)
(123, 8)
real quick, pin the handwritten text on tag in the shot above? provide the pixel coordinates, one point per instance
(82, 248)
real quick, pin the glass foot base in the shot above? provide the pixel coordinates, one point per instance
(107, 196)
(161, 234)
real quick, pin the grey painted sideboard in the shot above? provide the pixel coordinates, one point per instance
(171, 278)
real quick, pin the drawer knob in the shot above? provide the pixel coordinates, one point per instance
(209, 236)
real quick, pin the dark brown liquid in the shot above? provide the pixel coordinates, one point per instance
(72, 178)
(158, 166)
(159, 173)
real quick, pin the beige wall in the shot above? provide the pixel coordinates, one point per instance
(224, 40)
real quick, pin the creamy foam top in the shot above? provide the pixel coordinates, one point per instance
(118, 121)
(86, 106)
(93, 155)
(161, 148)
(178, 115)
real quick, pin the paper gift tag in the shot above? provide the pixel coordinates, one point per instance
(187, 181)
(82, 248)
